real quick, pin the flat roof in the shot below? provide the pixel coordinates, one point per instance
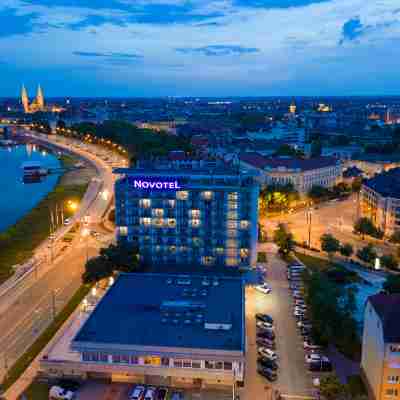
(387, 183)
(169, 310)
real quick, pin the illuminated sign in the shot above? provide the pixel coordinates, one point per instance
(142, 183)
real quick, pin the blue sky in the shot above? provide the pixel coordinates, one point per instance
(200, 47)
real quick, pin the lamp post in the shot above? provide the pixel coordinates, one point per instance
(309, 222)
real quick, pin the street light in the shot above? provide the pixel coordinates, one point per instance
(309, 221)
(72, 205)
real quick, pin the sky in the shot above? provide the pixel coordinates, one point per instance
(200, 47)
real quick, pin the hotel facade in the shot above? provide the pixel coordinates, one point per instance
(190, 212)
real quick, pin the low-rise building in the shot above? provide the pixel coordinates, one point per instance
(380, 362)
(303, 174)
(379, 200)
(160, 329)
(185, 211)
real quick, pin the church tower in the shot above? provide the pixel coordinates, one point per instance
(25, 99)
(40, 99)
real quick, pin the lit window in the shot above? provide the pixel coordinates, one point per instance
(145, 221)
(231, 261)
(123, 231)
(172, 249)
(232, 205)
(178, 363)
(194, 213)
(244, 224)
(232, 225)
(158, 222)
(233, 196)
(232, 215)
(145, 203)
(207, 260)
(195, 223)
(171, 222)
(219, 250)
(182, 195)
(231, 232)
(196, 241)
(393, 379)
(244, 253)
(231, 243)
(171, 203)
(232, 252)
(207, 195)
(157, 212)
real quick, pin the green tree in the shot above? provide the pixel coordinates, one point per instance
(97, 268)
(364, 226)
(284, 239)
(316, 148)
(123, 257)
(392, 284)
(331, 388)
(318, 193)
(329, 244)
(346, 250)
(356, 184)
(367, 254)
(288, 150)
(389, 262)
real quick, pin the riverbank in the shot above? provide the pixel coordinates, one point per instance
(18, 242)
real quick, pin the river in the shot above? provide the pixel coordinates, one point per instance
(17, 198)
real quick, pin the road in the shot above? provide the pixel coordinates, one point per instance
(335, 217)
(293, 378)
(27, 313)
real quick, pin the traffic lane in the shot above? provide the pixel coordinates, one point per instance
(293, 377)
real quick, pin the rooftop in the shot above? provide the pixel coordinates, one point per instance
(388, 309)
(387, 184)
(289, 163)
(168, 310)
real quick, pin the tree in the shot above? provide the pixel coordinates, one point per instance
(389, 262)
(331, 388)
(317, 193)
(367, 254)
(316, 148)
(356, 184)
(392, 284)
(284, 239)
(364, 226)
(329, 244)
(346, 250)
(97, 268)
(288, 150)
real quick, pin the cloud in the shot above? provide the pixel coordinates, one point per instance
(116, 59)
(218, 50)
(352, 29)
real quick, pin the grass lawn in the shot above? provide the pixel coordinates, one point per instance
(37, 391)
(18, 242)
(24, 361)
(315, 263)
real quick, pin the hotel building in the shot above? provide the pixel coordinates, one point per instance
(158, 329)
(379, 200)
(380, 362)
(189, 212)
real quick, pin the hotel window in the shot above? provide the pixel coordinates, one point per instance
(219, 365)
(103, 357)
(219, 250)
(196, 241)
(231, 252)
(158, 222)
(123, 231)
(231, 243)
(187, 363)
(207, 195)
(171, 203)
(232, 215)
(244, 253)
(227, 365)
(125, 359)
(194, 213)
(157, 212)
(231, 261)
(207, 260)
(210, 364)
(165, 361)
(232, 225)
(178, 363)
(144, 203)
(244, 224)
(116, 358)
(233, 196)
(195, 223)
(172, 249)
(182, 195)
(152, 360)
(391, 392)
(395, 348)
(171, 222)
(231, 232)
(232, 205)
(134, 360)
(145, 221)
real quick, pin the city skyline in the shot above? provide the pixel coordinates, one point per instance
(193, 48)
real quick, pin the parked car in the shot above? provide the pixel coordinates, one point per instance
(315, 357)
(267, 353)
(137, 393)
(266, 334)
(69, 384)
(161, 393)
(320, 366)
(267, 373)
(264, 318)
(267, 363)
(67, 221)
(310, 346)
(58, 393)
(264, 288)
(264, 342)
(150, 393)
(304, 324)
(264, 325)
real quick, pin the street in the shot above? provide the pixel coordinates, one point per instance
(293, 377)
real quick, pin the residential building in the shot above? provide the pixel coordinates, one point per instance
(380, 361)
(186, 211)
(303, 174)
(159, 329)
(379, 200)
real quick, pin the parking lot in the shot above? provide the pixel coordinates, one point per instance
(293, 377)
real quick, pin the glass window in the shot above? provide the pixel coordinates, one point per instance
(210, 364)
(232, 215)
(231, 233)
(207, 195)
(196, 364)
(125, 359)
(157, 212)
(123, 231)
(103, 357)
(244, 252)
(231, 243)
(227, 365)
(144, 203)
(134, 360)
(178, 363)
(219, 365)
(158, 222)
(116, 358)
(231, 261)
(207, 260)
(244, 224)
(145, 221)
(233, 196)
(232, 224)
(195, 223)
(165, 361)
(171, 203)
(182, 195)
(187, 363)
(219, 250)
(171, 222)
(194, 213)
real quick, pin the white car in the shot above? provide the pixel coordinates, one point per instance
(311, 347)
(264, 325)
(150, 393)
(267, 353)
(67, 221)
(137, 393)
(264, 288)
(315, 357)
(58, 393)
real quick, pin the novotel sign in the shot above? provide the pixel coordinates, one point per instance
(152, 184)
